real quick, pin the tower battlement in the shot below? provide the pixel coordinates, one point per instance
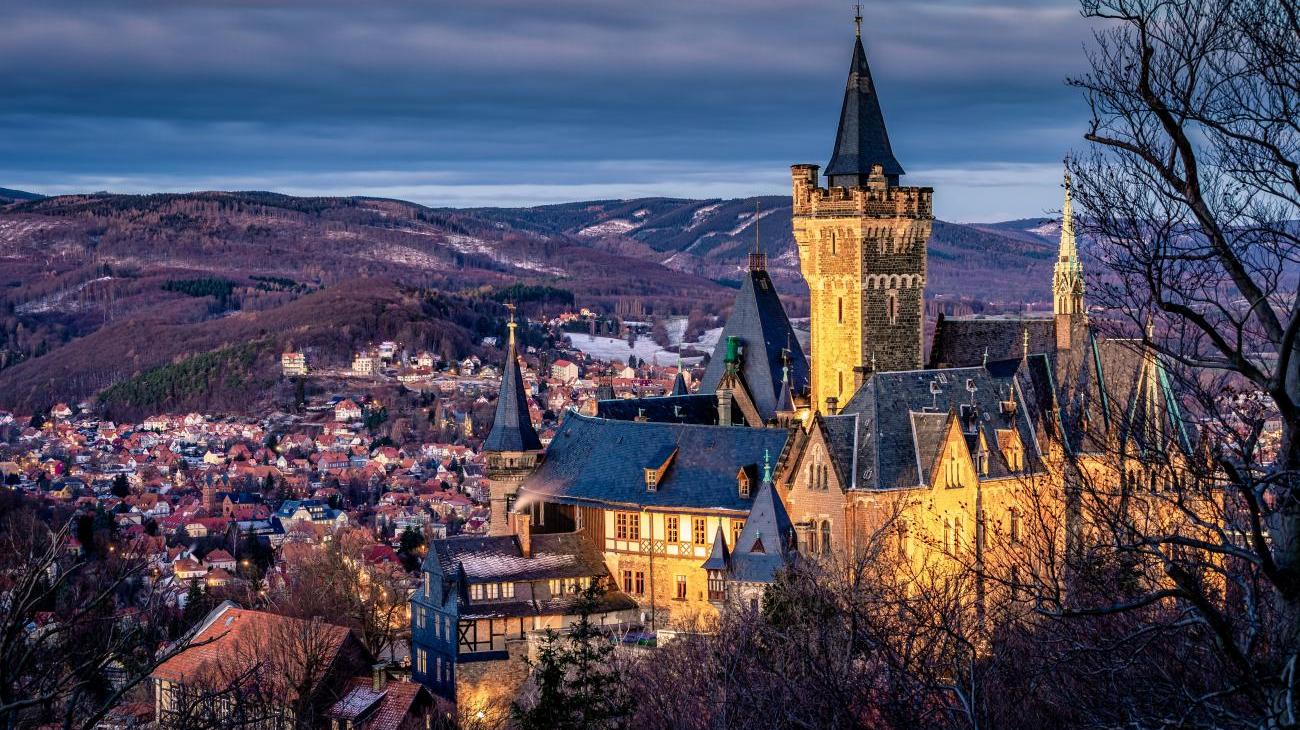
(877, 199)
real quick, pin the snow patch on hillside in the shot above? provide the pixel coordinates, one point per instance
(1047, 230)
(747, 220)
(612, 227)
(701, 215)
(59, 301)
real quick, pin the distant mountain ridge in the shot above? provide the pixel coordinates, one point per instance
(95, 289)
(8, 196)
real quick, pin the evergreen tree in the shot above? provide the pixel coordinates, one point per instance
(409, 547)
(576, 685)
(196, 604)
(121, 488)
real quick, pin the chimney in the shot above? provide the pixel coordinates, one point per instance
(524, 530)
(379, 676)
(724, 406)
(832, 405)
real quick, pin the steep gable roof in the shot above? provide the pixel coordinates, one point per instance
(760, 324)
(767, 541)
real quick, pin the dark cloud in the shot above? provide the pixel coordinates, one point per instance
(515, 101)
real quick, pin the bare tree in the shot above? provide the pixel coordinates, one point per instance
(78, 631)
(1191, 190)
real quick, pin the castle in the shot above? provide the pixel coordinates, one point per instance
(688, 503)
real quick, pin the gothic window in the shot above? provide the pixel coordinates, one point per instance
(736, 527)
(891, 306)
(826, 537)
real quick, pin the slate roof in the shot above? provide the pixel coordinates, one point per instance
(897, 422)
(498, 559)
(760, 323)
(512, 428)
(679, 384)
(699, 408)
(767, 541)
(862, 140)
(471, 560)
(719, 555)
(963, 341)
(599, 461)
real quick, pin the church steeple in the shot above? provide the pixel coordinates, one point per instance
(512, 429)
(862, 141)
(512, 447)
(1067, 276)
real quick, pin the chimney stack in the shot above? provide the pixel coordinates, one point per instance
(524, 530)
(832, 405)
(724, 406)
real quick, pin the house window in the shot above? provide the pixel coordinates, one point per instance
(419, 617)
(627, 581)
(422, 660)
(697, 527)
(681, 588)
(428, 586)
(736, 527)
(651, 480)
(620, 525)
(639, 587)
(743, 485)
(476, 592)
(673, 529)
(826, 537)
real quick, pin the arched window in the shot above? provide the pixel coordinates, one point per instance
(826, 537)
(891, 307)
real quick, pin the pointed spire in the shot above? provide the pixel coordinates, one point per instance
(679, 382)
(512, 428)
(785, 401)
(719, 556)
(1067, 278)
(862, 140)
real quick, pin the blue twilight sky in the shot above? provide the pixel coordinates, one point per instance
(519, 102)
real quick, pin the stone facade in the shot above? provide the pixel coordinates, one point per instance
(505, 471)
(862, 251)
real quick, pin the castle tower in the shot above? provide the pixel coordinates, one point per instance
(862, 249)
(512, 447)
(1067, 278)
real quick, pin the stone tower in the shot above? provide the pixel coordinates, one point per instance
(1067, 279)
(862, 248)
(512, 447)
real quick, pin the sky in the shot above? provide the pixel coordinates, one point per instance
(526, 102)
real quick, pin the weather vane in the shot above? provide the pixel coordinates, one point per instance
(857, 19)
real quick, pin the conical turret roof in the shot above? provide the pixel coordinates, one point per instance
(862, 140)
(512, 429)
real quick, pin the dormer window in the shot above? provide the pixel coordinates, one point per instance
(746, 478)
(656, 466)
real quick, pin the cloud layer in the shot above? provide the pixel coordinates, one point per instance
(516, 102)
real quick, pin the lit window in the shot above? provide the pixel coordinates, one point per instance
(736, 527)
(476, 592)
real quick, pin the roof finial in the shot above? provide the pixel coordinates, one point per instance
(767, 465)
(857, 19)
(510, 325)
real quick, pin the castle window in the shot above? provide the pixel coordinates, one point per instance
(840, 303)
(673, 530)
(717, 585)
(1015, 525)
(698, 533)
(891, 306)
(833, 246)
(826, 537)
(681, 588)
